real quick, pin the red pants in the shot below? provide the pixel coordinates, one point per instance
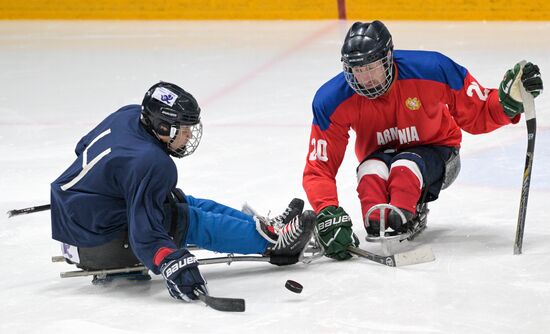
(399, 185)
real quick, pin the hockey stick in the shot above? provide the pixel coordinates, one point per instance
(221, 304)
(529, 107)
(418, 255)
(32, 209)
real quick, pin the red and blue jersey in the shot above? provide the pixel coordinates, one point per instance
(431, 99)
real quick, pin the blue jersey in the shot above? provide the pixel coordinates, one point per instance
(118, 183)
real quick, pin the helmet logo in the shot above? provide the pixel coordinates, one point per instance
(165, 96)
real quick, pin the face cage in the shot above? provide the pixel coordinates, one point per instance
(359, 86)
(190, 146)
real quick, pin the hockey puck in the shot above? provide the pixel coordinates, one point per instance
(294, 286)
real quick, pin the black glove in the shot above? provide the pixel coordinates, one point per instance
(180, 269)
(531, 79)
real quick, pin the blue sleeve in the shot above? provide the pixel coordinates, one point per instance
(149, 185)
(328, 98)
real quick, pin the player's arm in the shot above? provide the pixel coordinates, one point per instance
(477, 109)
(149, 188)
(146, 188)
(328, 141)
(326, 152)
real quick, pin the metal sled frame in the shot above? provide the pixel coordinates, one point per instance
(391, 244)
(310, 253)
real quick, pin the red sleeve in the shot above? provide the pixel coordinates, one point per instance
(477, 109)
(325, 155)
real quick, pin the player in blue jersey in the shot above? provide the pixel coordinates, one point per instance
(117, 205)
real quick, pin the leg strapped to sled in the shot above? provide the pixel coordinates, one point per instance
(392, 241)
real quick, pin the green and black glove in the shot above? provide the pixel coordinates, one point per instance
(509, 92)
(333, 226)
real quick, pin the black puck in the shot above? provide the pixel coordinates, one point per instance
(294, 286)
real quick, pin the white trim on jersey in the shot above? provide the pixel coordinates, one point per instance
(85, 165)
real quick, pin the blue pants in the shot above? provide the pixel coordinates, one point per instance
(191, 221)
(219, 228)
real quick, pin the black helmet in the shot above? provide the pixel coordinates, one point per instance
(166, 109)
(368, 48)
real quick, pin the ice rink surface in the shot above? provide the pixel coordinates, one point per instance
(255, 82)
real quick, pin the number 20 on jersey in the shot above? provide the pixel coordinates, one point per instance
(319, 150)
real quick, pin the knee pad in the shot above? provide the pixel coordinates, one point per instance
(373, 167)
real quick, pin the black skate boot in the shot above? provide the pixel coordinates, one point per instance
(414, 225)
(295, 208)
(396, 222)
(287, 242)
(373, 228)
(269, 227)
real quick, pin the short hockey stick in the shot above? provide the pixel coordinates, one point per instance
(221, 304)
(529, 107)
(418, 255)
(32, 209)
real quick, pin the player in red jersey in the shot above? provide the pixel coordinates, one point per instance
(407, 109)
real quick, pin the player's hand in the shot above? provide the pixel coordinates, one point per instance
(531, 79)
(509, 90)
(180, 269)
(333, 226)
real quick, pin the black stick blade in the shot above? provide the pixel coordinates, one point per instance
(222, 304)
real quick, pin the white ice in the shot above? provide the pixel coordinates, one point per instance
(255, 82)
